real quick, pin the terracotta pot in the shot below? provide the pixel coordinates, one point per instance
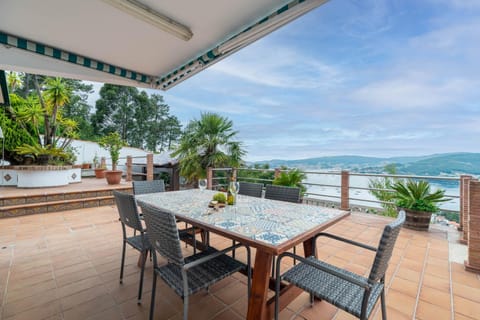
(86, 165)
(100, 173)
(113, 176)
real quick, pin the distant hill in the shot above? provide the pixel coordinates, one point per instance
(436, 164)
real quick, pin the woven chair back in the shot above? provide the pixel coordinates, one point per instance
(152, 186)
(385, 248)
(282, 193)
(251, 189)
(162, 233)
(127, 209)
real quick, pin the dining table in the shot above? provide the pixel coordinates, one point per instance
(270, 226)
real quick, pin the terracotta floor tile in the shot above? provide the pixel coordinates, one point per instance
(405, 286)
(435, 282)
(89, 308)
(227, 315)
(21, 305)
(466, 307)
(401, 302)
(466, 292)
(427, 311)
(436, 297)
(83, 296)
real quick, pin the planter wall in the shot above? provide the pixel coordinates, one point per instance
(39, 176)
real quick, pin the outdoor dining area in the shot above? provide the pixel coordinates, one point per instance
(183, 258)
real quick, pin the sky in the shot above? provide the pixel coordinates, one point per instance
(353, 77)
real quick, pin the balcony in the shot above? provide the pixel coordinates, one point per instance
(65, 265)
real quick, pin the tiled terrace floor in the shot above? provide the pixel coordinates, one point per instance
(65, 265)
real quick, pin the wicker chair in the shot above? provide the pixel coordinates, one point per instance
(282, 193)
(189, 275)
(129, 217)
(251, 189)
(346, 290)
(152, 186)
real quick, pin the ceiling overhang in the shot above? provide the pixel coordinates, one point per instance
(104, 42)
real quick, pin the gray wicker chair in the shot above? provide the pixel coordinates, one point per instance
(282, 193)
(251, 189)
(346, 290)
(129, 217)
(188, 275)
(152, 186)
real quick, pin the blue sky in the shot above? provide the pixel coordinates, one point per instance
(374, 78)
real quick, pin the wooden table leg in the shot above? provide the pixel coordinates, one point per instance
(257, 305)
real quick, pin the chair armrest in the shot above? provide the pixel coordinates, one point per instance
(214, 255)
(355, 243)
(346, 277)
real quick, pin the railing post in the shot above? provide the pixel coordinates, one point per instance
(464, 205)
(129, 169)
(234, 173)
(473, 262)
(277, 173)
(344, 193)
(103, 162)
(150, 166)
(209, 178)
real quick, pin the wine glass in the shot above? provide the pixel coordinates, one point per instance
(202, 184)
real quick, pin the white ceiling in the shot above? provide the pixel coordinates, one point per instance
(97, 30)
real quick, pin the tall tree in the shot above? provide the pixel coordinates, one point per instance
(115, 110)
(208, 142)
(57, 94)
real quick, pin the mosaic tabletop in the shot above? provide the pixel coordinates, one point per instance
(269, 221)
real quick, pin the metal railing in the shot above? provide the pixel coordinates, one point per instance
(324, 188)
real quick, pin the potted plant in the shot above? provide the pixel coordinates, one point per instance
(113, 143)
(418, 202)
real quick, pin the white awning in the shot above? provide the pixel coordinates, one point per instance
(141, 43)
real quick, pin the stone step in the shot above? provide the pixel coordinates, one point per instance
(12, 206)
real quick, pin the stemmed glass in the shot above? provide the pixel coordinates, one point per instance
(202, 184)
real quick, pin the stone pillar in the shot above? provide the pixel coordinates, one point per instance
(344, 193)
(473, 261)
(209, 178)
(150, 166)
(277, 173)
(464, 205)
(175, 178)
(129, 169)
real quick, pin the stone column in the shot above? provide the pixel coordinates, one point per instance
(344, 193)
(129, 169)
(209, 178)
(150, 166)
(464, 205)
(277, 173)
(473, 261)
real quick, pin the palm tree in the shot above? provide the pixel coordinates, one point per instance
(57, 94)
(208, 142)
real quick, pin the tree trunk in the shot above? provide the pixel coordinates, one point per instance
(47, 140)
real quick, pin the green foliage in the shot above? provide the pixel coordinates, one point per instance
(113, 143)
(380, 189)
(56, 155)
(145, 118)
(416, 195)
(291, 178)
(220, 197)
(261, 174)
(207, 142)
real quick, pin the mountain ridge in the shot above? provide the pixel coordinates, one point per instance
(435, 164)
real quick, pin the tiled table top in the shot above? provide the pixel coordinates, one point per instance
(269, 221)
